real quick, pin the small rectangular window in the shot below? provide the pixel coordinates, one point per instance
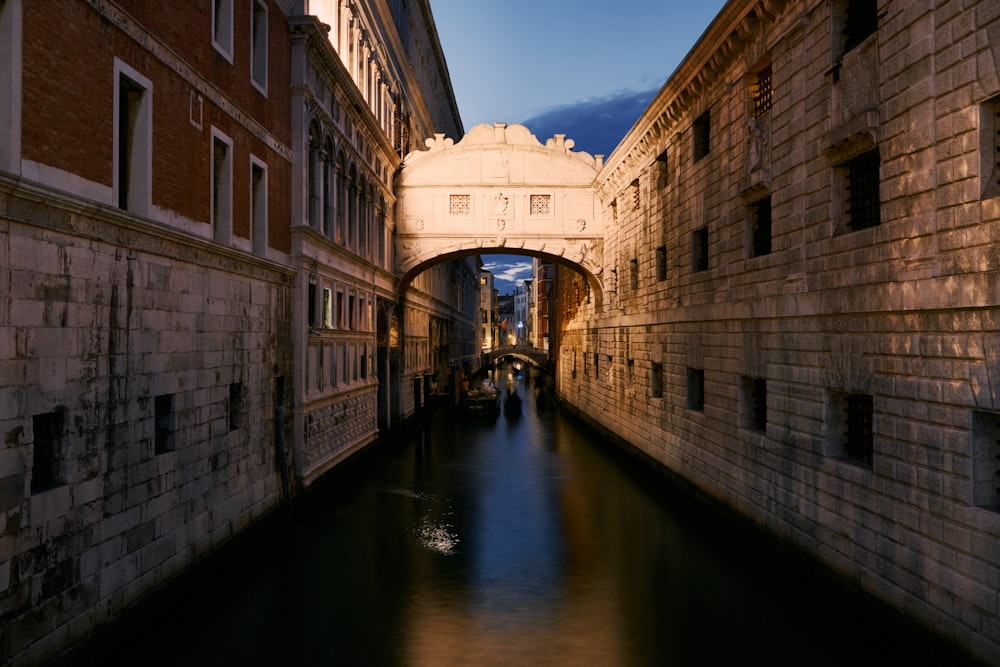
(47, 451)
(236, 405)
(755, 403)
(258, 45)
(634, 188)
(661, 263)
(164, 424)
(696, 389)
(702, 131)
(460, 204)
(540, 204)
(656, 381)
(760, 227)
(699, 250)
(633, 270)
(861, 175)
(327, 308)
(662, 170)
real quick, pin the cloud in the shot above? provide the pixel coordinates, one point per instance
(507, 270)
(596, 125)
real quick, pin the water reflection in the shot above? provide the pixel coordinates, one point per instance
(514, 542)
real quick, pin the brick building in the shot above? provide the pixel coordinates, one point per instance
(195, 240)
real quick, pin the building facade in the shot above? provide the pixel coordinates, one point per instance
(199, 311)
(801, 311)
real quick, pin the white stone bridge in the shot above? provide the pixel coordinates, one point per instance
(499, 190)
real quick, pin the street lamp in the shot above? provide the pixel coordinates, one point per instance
(520, 325)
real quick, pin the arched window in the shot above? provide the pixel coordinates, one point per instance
(341, 199)
(329, 197)
(312, 176)
(353, 192)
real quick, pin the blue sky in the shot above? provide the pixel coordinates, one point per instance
(580, 67)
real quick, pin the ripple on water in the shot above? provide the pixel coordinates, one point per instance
(437, 537)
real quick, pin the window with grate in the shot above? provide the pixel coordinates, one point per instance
(860, 21)
(656, 383)
(862, 185)
(762, 93)
(633, 270)
(661, 263)
(696, 389)
(760, 227)
(859, 436)
(699, 250)
(986, 459)
(460, 204)
(989, 148)
(46, 457)
(540, 204)
(634, 187)
(702, 131)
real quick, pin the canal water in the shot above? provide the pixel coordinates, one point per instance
(519, 541)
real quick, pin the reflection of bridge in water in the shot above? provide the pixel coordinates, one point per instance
(530, 354)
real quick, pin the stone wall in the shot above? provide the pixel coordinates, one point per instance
(140, 374)
(743, 366)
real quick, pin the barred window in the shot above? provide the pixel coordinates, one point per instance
(862, 185)
(762, 93)
(460, 204)
(657, 380)
(541, 204)
(635, 193)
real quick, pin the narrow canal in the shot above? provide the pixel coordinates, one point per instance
(509, 542)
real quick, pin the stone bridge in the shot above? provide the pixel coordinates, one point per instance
(525, 352)
(499, 191)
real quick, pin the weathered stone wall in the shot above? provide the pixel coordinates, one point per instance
(102, 319)
(905, 313)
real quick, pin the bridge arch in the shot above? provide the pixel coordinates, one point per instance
(499, 191)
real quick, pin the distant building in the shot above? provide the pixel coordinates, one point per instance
(196, 234)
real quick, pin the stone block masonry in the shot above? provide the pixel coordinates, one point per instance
(139, 429)
(838, 385)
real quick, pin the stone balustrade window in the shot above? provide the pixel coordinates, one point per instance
(541, 204)
(460, 204)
